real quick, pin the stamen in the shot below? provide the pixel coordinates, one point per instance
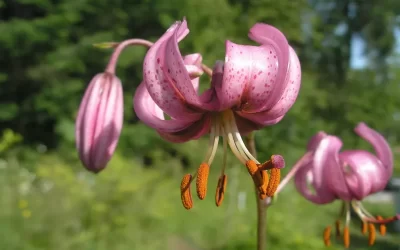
(186, 196)
(348, 214)
(230, 124)
(382, 227)
(346, 237)
(221, 187)
(366, 216)
(275, 178)
(232, 144)
(327, 236)
(264, 183)
(202, 180)
(255, 173)
(364, 227)
(225, 155)
(372, 234)
(337, 226)
(213, 142)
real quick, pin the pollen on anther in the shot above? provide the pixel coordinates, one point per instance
(262, 189)
(274, 180)
(251, 167)
(364, 228)
(382, 227)
(371, 234)
(256, 174)
(202, 180)
(346, 237)
(327, 236)
(186, 196)
(221, 187)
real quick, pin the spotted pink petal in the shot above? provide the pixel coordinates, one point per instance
(99, 121)
(382, 148)
(151, 115)
(286, 100)
(270, 36)
(237, 71)
(166, 77)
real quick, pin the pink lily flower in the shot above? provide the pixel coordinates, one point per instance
(255, 86)
(349, 175)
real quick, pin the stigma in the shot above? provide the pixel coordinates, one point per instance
(265, 176)
(369, 224)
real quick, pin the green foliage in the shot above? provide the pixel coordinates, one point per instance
(9, 139)
(51, 49)
(48, 205)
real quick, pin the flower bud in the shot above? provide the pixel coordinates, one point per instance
(99, 122)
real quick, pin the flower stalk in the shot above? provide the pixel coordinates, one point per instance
(261, 205)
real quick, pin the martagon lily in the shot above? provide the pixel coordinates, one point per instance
(254, 87)
(324, 174)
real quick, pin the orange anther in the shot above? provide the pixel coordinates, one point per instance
(382, 227)
(364, 227)
(221, 187)
(337, 226)
(371, 234)
(346, 237)
(274, 180)
(264, 182)
(260, 178)
(251, 167)
(201, 180)
(186, 196)
(327, 236)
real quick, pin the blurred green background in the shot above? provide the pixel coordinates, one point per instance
(351, 71)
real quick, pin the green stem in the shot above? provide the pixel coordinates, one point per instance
(261, 206)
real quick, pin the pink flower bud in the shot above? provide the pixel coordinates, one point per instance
(99, 121)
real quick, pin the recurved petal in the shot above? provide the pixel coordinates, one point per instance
(166, 77)
(326, 159)
(193, 59)
(259, 92)
(237, 71)
(319, 195)
(99, 121)
(364, 173)
(382, 148)
(248, 124)
(151, 115)
(270, 36)
(315, 140)
(192, 132)
(193, 67)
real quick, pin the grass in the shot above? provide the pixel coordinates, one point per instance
(53, 204)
